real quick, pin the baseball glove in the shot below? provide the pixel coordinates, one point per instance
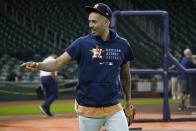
(130, 114)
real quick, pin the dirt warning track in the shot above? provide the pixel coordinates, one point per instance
(70, 123)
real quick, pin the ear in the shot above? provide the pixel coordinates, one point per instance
(107, 22)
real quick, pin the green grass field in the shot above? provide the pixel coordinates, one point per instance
(21, 108)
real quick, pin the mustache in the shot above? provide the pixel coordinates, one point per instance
(92, 29)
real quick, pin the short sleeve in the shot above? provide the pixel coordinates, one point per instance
(74, 50)
(129, 56)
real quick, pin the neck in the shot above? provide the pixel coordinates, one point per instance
(106, 35)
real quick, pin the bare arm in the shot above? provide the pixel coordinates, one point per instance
(49, 66)
(125, 78)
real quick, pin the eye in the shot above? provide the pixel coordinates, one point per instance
(93, 21)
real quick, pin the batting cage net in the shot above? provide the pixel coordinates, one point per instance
(146, 35)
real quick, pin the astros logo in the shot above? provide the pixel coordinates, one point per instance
(96, 52)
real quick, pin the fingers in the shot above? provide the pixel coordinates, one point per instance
(128, 105)
(30, 69)
(29, 66)
(26, 64)
(23, 65)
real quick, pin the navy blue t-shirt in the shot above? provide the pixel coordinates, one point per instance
(188, 64)
(99, 65)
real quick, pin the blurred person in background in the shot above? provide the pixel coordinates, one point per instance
(184, 79)
(174, 84)
(50, 87)
(175, 88)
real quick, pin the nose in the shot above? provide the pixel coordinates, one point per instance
(90, 24)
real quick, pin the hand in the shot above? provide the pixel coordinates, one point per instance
(128, 105)
(129, 112)
(30, 66)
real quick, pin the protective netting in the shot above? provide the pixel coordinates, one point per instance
(145, 33)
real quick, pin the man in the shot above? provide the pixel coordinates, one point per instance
(187, 62)
(49, 84)
(103, 60)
